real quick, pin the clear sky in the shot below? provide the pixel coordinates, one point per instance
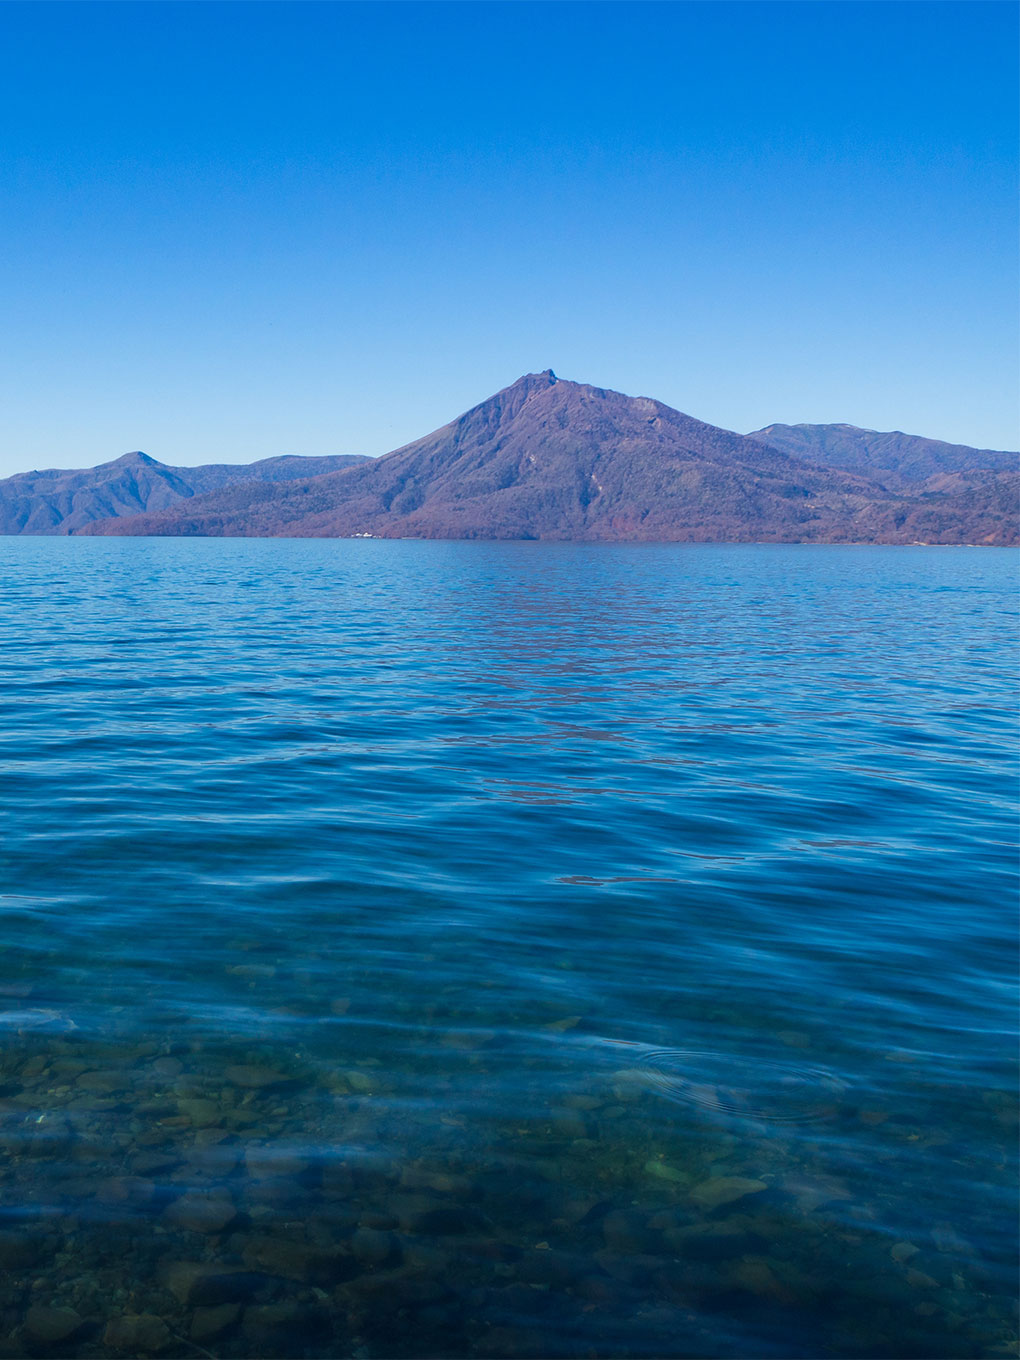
(229, 231)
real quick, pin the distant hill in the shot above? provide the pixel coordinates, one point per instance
(891, 458)
(59, 501)
(551, 459)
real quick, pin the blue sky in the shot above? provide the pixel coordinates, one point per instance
(235, 230)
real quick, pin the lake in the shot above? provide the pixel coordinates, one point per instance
(507, 949)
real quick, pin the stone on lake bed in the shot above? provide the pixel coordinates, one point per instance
(211, 1159)
(204, 1213)
(210, 1137)
(918, 1279)
(415, 1178)
(629, 1084)
(138, 1334)
(256, 1078)
(19, 1250)
(628, 1233)
(208, 1283)
(168, 1067)
(207, 1323)
(903, 1251)
(51, 1325)
(756, 1276)
(568, 1122)
(273, 1325)
(721, 1190)
(467, 1039)
(583, 1102)
(154, 1163)
(298, 1261)
(946, 1238)
(812, 1191)
(372, 1246)
(136, 1190)
(710, 1243)
(664, 1172)
(265, 1160)
(202, 1113)
(104, 1082)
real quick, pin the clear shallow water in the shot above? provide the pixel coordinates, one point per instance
(423, 949)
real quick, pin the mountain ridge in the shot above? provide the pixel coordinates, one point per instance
(553, 459)
(891, 457)
(56, 501)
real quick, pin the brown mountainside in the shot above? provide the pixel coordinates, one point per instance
(894, 459)
(62, 501)
(551, 459)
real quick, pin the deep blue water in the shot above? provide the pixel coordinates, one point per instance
(507, 949)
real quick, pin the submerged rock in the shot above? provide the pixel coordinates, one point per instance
(266, 1160)
(19, 1251)
(210, 1322)
(721, 1190)
(104, 1083)
(664, 1172)
(627, 1232)
(280, 1325)
(208, 1283)
(712, 1242)
(168, 1067)
(136, 1191)
(570, 1123)
(918, 1279)
(204, 1213)
(154, 1163)
(443, 1182)
(449, 1220)
(372, 1246)
(257, 1078)
(298, 1261)
(359, 1081)
(203, 1114)
(48, 1326)
(756, 1276)
(137, 1334)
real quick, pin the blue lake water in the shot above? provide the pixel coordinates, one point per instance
(473, 949)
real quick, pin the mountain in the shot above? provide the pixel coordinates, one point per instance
(551, 459)
(59, 501)
(893, 459)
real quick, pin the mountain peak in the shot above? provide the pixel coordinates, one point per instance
(534, 382)
(507, 403)
(135, 459)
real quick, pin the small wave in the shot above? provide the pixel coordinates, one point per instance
(743, 1088)
(36, 1018)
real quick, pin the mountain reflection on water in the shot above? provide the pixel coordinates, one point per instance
(473, 949)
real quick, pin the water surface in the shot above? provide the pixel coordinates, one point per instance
(462, 949)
